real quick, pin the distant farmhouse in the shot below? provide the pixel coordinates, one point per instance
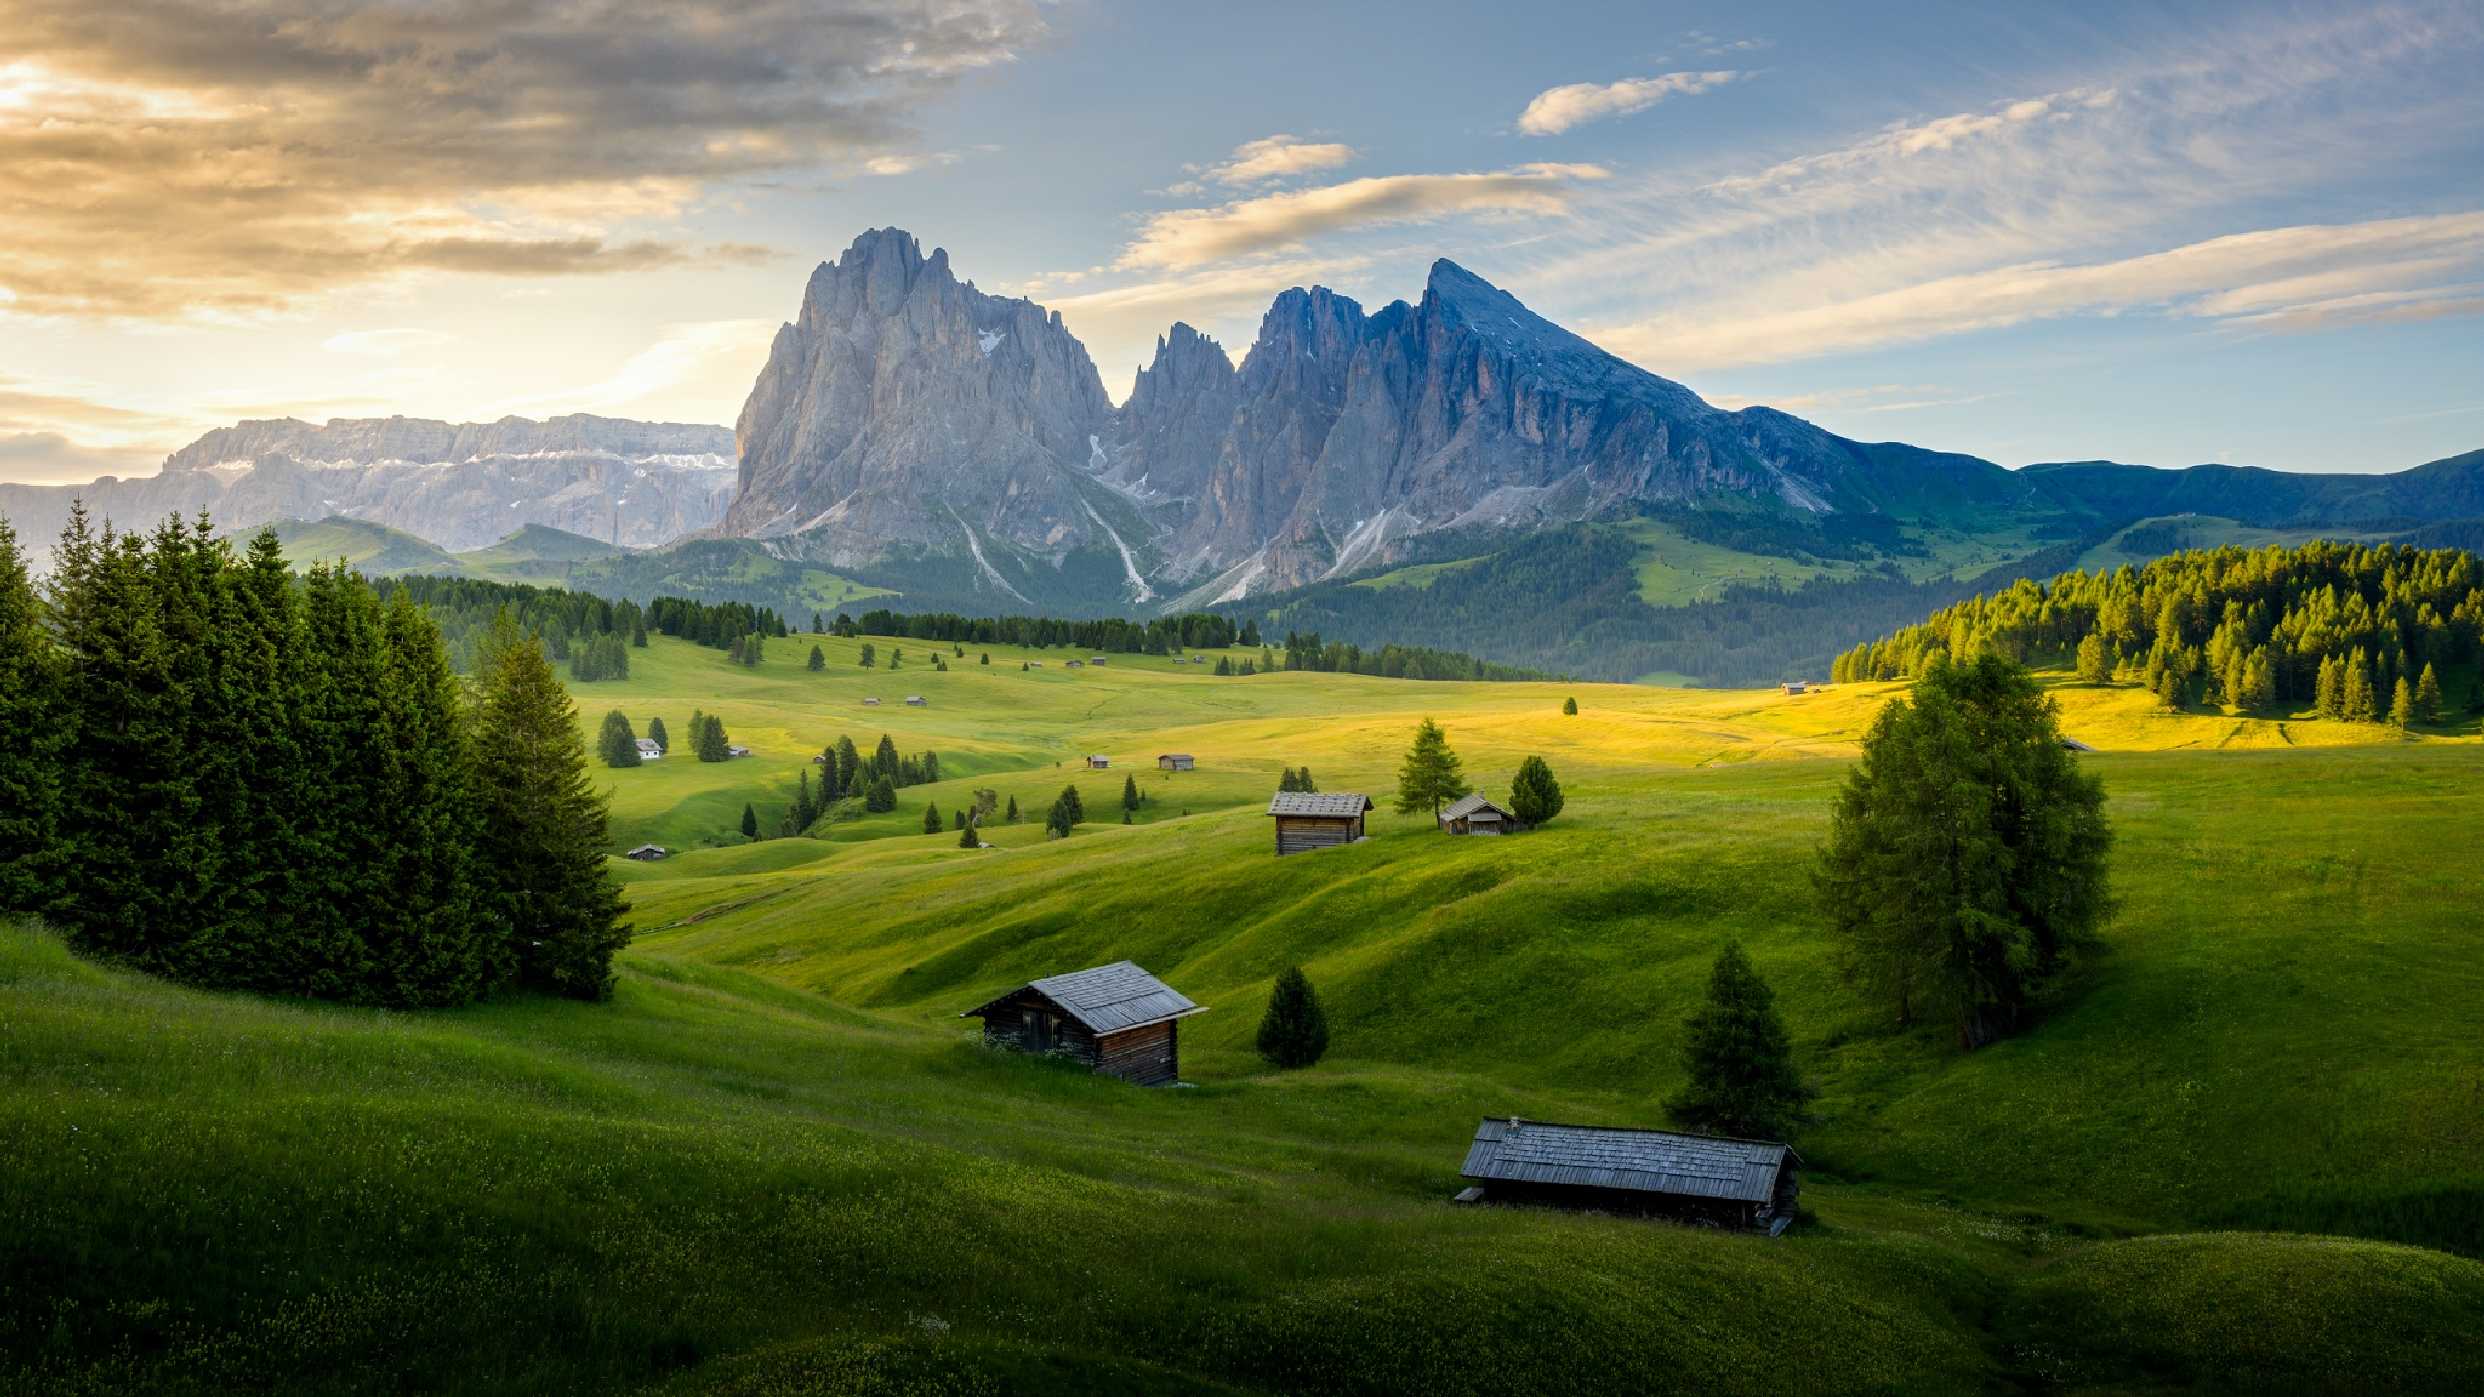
(649, 749)
(1476, 814)
(649, 853)
(1117, 1019)
(1707, 1178)
(1307, 820)
(1174, 761)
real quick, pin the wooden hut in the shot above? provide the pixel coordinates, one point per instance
(650, 750)
(1475, 814)
(1099, 659)
(1099, 762)
(1794, 686)
(2072, 744)
(1174, 761)
(1117, 1019)
(914, 700)
(1307, 820)
(649, 853)
(1707, 1178)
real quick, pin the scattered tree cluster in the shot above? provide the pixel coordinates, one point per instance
(1965, 869)
(599, 658)
(716, 625)
(1297, 780)
(707, 738)
(217, 772)
(1067, 813)
(1197, 630)
(1304, 650)
(2339, 627)
(747, 649)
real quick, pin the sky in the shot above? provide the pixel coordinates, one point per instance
(2250, 233)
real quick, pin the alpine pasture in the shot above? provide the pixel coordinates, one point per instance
(2237, 1153)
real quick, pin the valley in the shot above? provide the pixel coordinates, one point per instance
(786, 1165)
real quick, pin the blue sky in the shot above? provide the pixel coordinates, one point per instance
(2244, 233)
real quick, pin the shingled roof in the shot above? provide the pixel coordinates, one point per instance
(1467, 805)
(1647, 1161)
(1107, 999)
(1340, 805)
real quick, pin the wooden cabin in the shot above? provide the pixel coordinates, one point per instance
(650, 750)
(1307, 820)
(2072, 744)
(1099, 763)
(1099, 659)
(1475, 814)
(649, 853)
(1117, 1019)
(914, 700)
(1174, 761)
(1077, 664)
(1794, 686)
(737, 750)
(871, 703)
(1615, 1169)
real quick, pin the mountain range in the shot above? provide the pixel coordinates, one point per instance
(458, 486)
(1454, 471)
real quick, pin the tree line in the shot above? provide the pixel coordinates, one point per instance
(2350, 629)
(218, 772)
(1197, 630)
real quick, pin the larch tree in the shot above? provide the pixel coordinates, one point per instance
(2428, 695)
(2402, 705)
(544, 824)
(1431, 775)
(1739, 1058)
(1965, 869)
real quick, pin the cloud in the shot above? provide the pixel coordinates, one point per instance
(688, 369)
(1186, 238)
(161, 158)
(1279, 157)
(1557, 109)
(2293, 278)
(49, 458)
(908, 164)
(384, 342)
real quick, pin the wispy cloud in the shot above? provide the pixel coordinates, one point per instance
(1557, 109)
(384, 343)
(164, 158)
(698, 362)
(1279, 157)
(1186, 238)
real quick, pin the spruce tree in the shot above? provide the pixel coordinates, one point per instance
(1304, 783)
(1013, 810)
(2428, 696)
(1569, 708)
(866, 655)
(805, 809)
(1534, 796)
(1739, 1059)
(1129, 792)
(1966, 863)
(617, 743)
(967, 838)
(1294, 1031)
(1430, 775)
(1077, 808)
(544, 825)
(656, 734)
(750, 821)
(429, 940)
(819, 659)
(1287, 781)
(1058, 821)
(34, 724)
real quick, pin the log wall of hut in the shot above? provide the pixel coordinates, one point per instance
(1297, 834)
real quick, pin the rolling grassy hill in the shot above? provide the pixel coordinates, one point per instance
(777, 1163)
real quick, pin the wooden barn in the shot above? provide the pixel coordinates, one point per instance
(649, 853)
(1701, 1178)
(1307, 820)
(1117, 1019)
(1175, 761)
(1794, 686)
(914, 700)
(1099, 762)
(1475, 814)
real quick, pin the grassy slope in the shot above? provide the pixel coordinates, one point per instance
(774, 1163)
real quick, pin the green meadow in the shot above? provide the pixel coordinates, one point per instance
(2238, 1153)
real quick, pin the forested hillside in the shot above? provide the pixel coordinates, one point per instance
(2344, 627)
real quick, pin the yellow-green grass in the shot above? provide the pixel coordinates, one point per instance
(715, 1183)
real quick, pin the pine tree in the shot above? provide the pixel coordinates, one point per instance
(957, 818)
(867, 655)
(2428, 696)
(1129, 792)
(1739, 1059)
(1294, 1031)
(1289, 782)
(750, 821)
(1057, 821)
(967, 838)
(884, 759)
(819, 659)
(880, 796)
(617, 744)
(34, 723)
(656, 734)
(1304, 783)
(2402, 705)
(638, 635)
(429, 939)
(1430, 775)
(805, 810)
(983, 657)
(2330, 692)
(1966, 861)
(850, 774)
(1077, 808)
(2362, 702)
(709, 738)
(1569, 708)
(1534, 796)
(544, 825)
(1012, 817)
(2169, 691)
(2095, 662)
